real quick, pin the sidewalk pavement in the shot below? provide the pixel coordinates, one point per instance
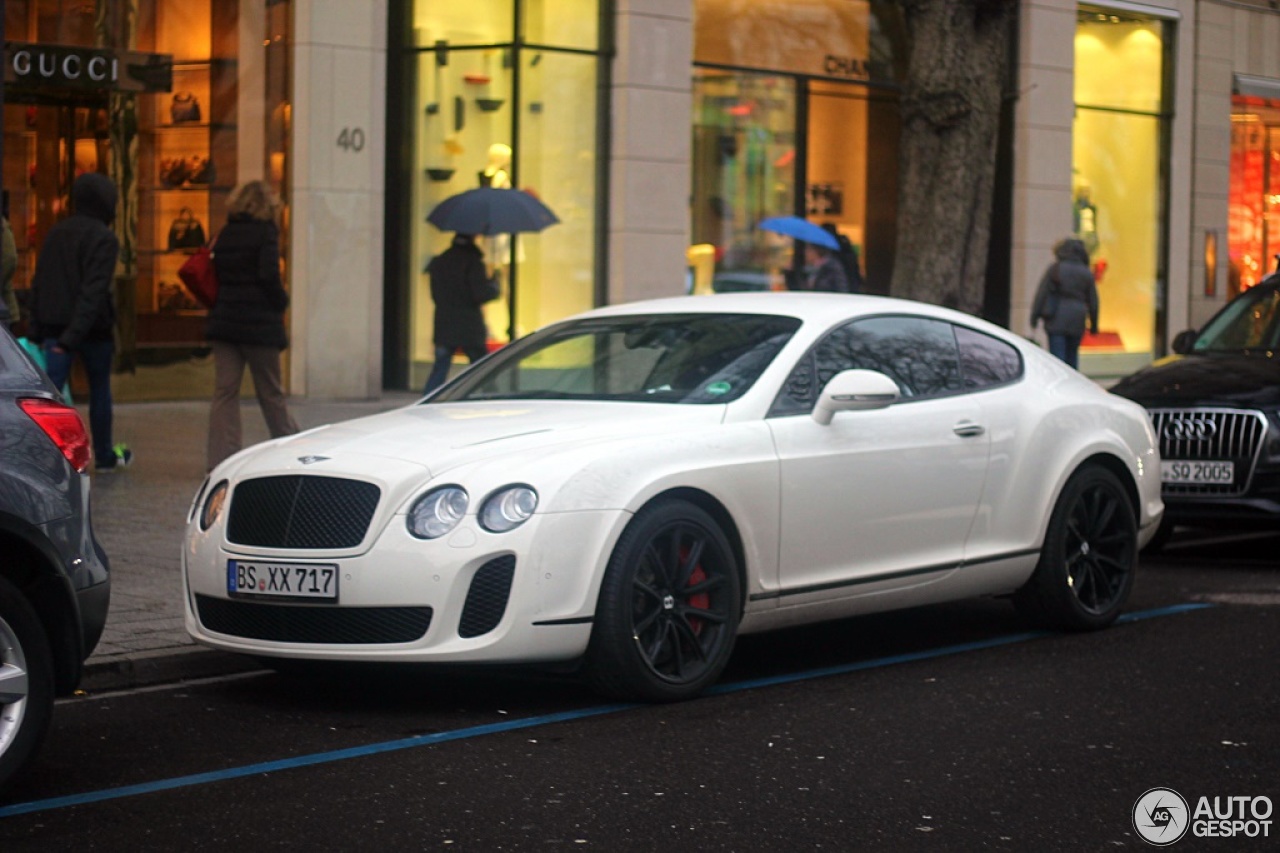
(139, 515)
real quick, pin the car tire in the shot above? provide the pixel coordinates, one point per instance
(669, 606)
(1090, 553)
(26, 683)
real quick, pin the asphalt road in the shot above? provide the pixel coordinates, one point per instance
(946, 728)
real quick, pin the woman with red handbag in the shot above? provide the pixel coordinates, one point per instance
(246, 323)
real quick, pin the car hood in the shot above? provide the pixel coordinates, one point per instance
(442, 436)
(1241, 380)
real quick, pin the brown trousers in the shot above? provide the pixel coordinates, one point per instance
(229, 361)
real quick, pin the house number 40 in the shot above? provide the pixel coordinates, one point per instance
(351, 139)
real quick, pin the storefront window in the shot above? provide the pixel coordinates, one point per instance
(557, 163)
(1253, 233)
(496, 111)
(1118, 178)
(795, 113)
(744, 170)
(178, 127)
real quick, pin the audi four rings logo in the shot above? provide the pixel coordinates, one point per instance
(1190, 429)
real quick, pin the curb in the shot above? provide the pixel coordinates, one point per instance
(165, 667)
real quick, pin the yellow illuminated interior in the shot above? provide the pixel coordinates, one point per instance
(463, 135)
(1116, 172)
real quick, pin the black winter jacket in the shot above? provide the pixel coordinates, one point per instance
(71, 288)
(251, 298)
(1068, 282)
(459, 287)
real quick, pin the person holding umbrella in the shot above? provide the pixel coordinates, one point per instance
(459, 286)
(826, 273)
(490, 211)
(825, 270)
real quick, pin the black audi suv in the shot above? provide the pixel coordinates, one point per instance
(1215, 405)
(54, 586)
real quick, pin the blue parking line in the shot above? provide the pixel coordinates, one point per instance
(532, 722)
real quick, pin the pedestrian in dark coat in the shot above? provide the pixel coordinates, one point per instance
(460, 285)
(73, 307)
(826, 271)
(246, 323)
(1066, 300)
(847, 255)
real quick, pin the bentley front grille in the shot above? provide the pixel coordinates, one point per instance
(301, 512)
(1210, 435)
(294, 623)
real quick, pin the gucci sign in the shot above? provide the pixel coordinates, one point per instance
(58, 67)
(67, 66)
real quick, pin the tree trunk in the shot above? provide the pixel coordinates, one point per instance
(956, 74)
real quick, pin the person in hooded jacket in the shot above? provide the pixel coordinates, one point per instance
(73, 307)
(246, 322)
(1067, 300)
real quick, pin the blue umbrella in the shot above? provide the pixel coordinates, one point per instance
(489, 210)
(801, 229)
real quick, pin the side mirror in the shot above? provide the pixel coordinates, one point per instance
(855, 391)
(1183, 341)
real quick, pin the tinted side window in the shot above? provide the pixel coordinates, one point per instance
(918, 354)
(986, 361)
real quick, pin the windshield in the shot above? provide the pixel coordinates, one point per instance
(667, 358)
(1250, 322)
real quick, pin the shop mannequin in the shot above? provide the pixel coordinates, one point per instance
(495, 174)
(498, 251)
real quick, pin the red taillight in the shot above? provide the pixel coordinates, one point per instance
(63, 425)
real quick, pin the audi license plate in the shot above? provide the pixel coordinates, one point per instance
(282, 580)
(1197, 473)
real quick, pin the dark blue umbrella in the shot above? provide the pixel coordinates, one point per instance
(487, 210)
(801, 229)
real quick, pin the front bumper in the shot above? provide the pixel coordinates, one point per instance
(470, 597)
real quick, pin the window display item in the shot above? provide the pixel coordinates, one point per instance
(174, 172)
(184, 108)
(173, 298)
(200, 170)
(186, 232)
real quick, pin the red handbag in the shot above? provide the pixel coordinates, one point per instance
(198, 275)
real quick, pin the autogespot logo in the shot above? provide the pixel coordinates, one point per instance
(1160, 816)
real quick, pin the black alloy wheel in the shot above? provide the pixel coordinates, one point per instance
(1087, 564)
(669, 606)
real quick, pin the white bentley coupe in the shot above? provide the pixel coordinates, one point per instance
(632, 488)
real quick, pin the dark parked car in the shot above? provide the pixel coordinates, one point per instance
(54, 577)
(1215, 405)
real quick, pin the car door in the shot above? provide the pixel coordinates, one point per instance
(884, 496)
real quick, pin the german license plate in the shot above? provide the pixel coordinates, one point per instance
(282, 580)
(1197, 473)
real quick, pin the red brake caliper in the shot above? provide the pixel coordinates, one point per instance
(699, 600)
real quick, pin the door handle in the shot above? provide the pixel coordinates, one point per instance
(968, 429)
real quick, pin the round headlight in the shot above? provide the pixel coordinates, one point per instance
(508, 508)
(213, 505)
(437, 512)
